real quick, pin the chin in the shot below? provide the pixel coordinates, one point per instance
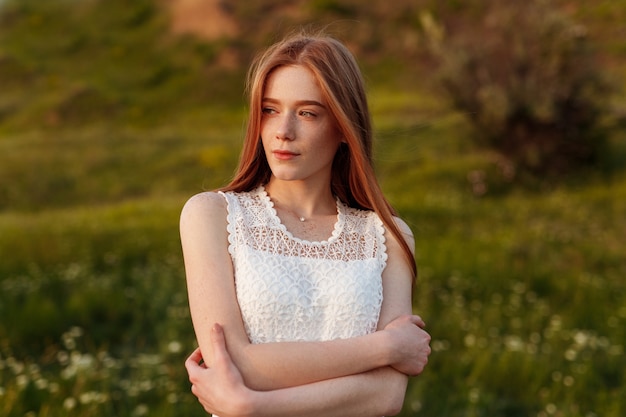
(286, 176)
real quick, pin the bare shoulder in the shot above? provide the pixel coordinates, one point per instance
(208, 200)
(406, 231)
(203, 209)
(398, 275)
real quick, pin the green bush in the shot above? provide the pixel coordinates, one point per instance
(527, 79)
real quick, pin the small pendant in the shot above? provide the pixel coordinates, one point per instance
(302, 219)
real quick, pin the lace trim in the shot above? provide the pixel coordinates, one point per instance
(293, 290)
(338, 227)
(262, 230)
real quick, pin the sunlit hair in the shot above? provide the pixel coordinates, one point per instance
(342, 86)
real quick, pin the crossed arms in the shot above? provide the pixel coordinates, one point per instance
(361, 376)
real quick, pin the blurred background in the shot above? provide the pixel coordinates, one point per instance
(500, 137)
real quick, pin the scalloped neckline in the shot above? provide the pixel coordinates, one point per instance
(337, 228)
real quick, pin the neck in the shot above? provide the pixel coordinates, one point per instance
(302, 200)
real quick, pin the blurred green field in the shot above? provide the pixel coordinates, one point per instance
(107, 127)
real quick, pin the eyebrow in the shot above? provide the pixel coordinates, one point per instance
(299, 102)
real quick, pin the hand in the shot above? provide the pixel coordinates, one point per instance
(411, 344)
(219, 388)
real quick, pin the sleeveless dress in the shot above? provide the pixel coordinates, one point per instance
(290, 289)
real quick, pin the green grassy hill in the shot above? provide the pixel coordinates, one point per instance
(108, 123)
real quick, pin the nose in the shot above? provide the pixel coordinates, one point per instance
(285, 129)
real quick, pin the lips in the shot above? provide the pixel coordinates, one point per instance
(284, 155)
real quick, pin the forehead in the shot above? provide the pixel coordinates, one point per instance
(292, 82)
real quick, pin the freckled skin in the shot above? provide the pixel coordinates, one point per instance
(299, 134)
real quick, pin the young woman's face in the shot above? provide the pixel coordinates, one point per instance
(299, 134)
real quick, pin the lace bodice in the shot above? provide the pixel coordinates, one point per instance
(291, 289)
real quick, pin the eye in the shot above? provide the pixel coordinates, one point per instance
(306, 113)
(268, 110)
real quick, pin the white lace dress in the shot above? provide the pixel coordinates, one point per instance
(290, 289)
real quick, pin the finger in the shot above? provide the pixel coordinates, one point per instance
(417, 320)
(218, 342)
(192, 364)
(196, 356)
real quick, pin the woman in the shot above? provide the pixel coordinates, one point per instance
(299, 274)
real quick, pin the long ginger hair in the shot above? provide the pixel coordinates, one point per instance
(340, 80)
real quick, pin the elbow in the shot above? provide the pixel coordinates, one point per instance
(394, 405)
(394, 394)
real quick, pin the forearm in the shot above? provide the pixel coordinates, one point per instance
(373, 393)
(221, 390)
(274, 366)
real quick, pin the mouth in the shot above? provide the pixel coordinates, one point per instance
(284, 155)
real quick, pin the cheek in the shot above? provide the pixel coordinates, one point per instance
(327, 151)
(263, 147)
(333, 140)
(262, 131)
(264, 135)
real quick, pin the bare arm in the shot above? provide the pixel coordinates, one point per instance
(271, 366)
(220, 390)
(373, 393)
